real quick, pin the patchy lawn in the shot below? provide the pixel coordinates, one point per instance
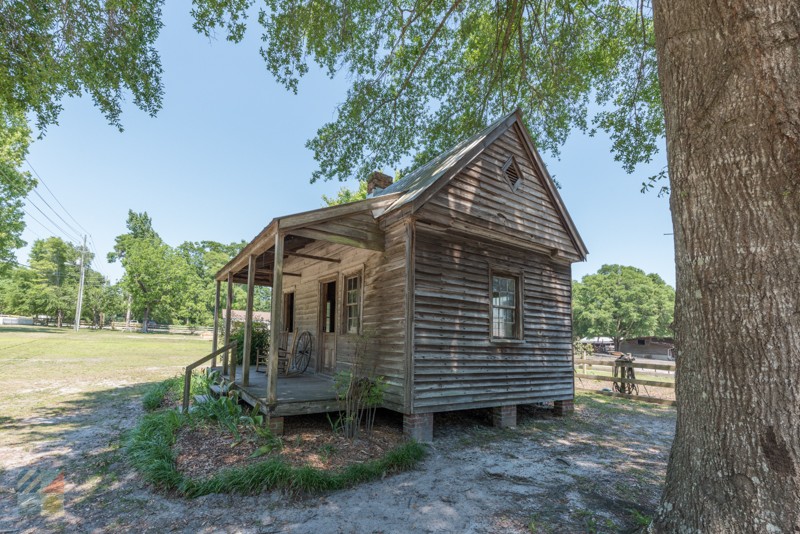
(67, 398)
(52, 378)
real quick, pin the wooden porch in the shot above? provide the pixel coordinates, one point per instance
(261, 263)
(304, 394)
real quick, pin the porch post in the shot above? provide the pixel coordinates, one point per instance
(248, 321)
(216, 325)
(275, 320)
(229, 300)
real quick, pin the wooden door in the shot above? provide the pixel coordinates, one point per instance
(327, 328)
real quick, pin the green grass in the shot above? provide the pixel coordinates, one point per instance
(149, 450)
(53, 377)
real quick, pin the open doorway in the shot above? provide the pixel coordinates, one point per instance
(287, 325)
(327, 327)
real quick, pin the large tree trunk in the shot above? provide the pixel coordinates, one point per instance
(730, 81)
(128, 313)
(146, 318)
(60, 318)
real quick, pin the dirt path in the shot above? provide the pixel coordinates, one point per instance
(575, 474)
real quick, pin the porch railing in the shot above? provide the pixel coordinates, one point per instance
(187, 385)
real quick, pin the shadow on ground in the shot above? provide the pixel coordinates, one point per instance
(598, 470)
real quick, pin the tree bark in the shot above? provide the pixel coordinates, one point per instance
(60, 318)
(128, 313)
(730, 82)
(146, 318)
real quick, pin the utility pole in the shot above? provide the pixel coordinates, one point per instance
(80, 289)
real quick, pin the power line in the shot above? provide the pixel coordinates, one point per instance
(37, 221)
(96, 255)
(27, 199)
(10, 183)
(59, 202)
(93, 247)
(57, 214)
(34, 233)
(99, 267)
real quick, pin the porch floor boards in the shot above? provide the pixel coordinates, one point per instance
(303, 394)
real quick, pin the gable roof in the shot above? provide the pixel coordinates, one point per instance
(423, 182)
(416, 188)
(417, 181)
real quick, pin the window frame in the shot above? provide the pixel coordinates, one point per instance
(519, 303)
(358, 274)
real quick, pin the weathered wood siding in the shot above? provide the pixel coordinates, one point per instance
(456, 365)
(383, 302)
(479, 199)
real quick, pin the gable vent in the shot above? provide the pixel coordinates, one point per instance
(512, 173)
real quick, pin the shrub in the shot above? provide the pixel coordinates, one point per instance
(360, 390)
(174, 387)
(259, 341)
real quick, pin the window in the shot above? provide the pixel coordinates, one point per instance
(506, 307)
(352, 305)
(512, 173)
(641, 341)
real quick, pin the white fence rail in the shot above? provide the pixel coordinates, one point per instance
(15, 320)
(164, 328)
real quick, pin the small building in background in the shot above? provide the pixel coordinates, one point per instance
(656, 348)
(238, 316)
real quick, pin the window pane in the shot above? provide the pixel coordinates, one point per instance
(504, 302)
(352, 305)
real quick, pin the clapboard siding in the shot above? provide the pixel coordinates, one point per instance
(383, 304)
(480, 196)
(456, 365)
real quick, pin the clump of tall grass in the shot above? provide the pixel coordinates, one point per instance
(149, 449)
(274, 473)
(173, 387)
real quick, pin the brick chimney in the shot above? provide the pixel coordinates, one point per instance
(378, 182)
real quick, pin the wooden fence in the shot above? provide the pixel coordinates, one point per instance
(617, 365)
(165, 328)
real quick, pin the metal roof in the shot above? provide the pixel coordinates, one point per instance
(415, 183)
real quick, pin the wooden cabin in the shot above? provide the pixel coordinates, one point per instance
(460, 272)
(656, 348)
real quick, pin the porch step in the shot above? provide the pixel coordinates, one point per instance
(215, 390)
(200, 399)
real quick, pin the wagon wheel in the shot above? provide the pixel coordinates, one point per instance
(302, 355)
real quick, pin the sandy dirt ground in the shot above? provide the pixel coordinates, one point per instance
(593, 471)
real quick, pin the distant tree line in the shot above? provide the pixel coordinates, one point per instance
(48, 285)
(162, 284)
(622, 302)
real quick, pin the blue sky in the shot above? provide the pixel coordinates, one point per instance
(226, 154)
